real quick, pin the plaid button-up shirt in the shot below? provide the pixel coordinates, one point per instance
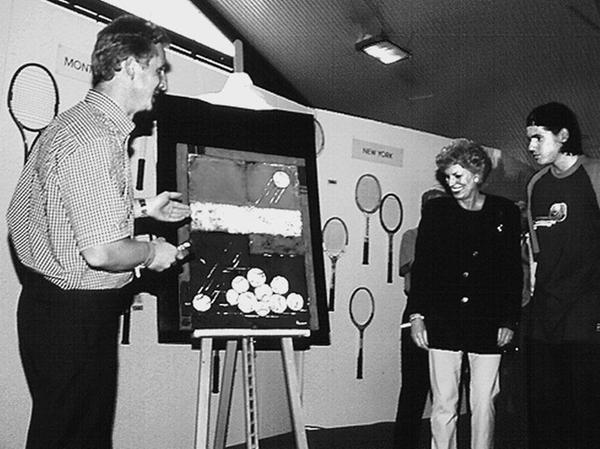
(75, 193)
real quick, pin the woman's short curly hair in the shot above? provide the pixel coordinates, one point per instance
(467, 154)
(125, 36)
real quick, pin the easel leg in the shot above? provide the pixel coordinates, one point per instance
(203, 400)
(252, 440)
(226, 395)
(293, 393)
(299, 358)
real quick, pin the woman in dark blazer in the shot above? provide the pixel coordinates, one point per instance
(466, 291)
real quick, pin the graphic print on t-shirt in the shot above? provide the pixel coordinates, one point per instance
(557, 214)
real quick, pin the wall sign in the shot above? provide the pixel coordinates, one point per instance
(375, 152)
(74, 64)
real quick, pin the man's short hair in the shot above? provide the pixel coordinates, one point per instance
(555, 116)
(124, 37)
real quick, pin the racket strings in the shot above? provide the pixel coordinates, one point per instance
(361, 308)
(335, 237)
(33, 99)
(368, 194)
(31, 78)
(391, 215)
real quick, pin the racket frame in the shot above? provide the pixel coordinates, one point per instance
(319, 137)
(390, 232)
(334, 258)
(9, 101)
(361, 326)
(367, 212)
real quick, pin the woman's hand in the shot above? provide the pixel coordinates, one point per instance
(505, 336)
(418, 332)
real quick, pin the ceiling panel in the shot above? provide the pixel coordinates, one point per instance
(477, 69)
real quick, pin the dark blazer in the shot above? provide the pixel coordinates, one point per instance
(467, 275)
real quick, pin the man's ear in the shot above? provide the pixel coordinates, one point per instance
(129, 66)
(563, 135)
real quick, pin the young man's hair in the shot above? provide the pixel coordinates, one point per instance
(125, 36)
(555, 116)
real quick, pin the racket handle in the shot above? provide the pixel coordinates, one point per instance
(390, 262)
(359, 364)
(139, 183)
(126, 330)
(365, 260)
(332, 288)
(332, 298)
(216, 369)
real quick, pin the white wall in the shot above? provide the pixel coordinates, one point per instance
(332, 394)
(157, 383)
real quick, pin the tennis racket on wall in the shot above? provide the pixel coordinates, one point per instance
(335, 240)
(319, 137)
(32, 101)
(390, 216)
(362, 310)
(367, 195)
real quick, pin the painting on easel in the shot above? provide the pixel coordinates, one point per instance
(250, 227)
(250, 178)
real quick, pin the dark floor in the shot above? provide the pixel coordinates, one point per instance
(510, 422)
(379, 436)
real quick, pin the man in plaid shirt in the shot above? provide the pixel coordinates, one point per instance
(71, 226)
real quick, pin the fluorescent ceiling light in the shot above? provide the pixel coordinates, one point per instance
(382, 49)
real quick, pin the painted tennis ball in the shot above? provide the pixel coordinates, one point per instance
(201, 302)
(263, 291)
(232, 296)
(240, 284)
(277, 303)
(280, 285)
(261, 308)
(295, 301)
(281, 179)
(256, 277)
(247, 302)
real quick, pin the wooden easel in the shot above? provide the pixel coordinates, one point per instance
(204, 376)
